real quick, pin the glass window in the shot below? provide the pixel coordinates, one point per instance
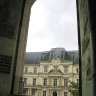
(26, 70)
(35, 70)
(45, 82)
(34, 81)
(55, 82)
(65, 94)
(66, 69)
(25, 81)
(77, 81)
(25, 91)
(33, 92)
(65, 82)
(44, 93)
(77, 70)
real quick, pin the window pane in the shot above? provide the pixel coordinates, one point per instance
(65, 82)
(55, 82)
(35, 70)
(77, 81)
(25, 91)
(33, 92)
(45, 82)
(26, 70)
(65, 93)
(44, 93)
(25, 81)
(34, 81)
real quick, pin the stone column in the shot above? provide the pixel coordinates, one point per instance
(60, 80)
(28, 91)
(49, 93)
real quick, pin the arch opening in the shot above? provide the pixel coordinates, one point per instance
(54, 93)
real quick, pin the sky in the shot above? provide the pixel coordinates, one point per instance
(53, 23)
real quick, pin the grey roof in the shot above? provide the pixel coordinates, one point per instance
(36, 57)
(32, 57)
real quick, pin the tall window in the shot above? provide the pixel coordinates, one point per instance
(66, 69)
(44, 93)
(77, 70)
(25, 91)
(34, 81)
(25, 81)
(65, 82)
(77, 81)
(55, 82)
(45, 69)
(35, 70)
(26, 70)
(33, 92)
(65, 94)
(45, 82)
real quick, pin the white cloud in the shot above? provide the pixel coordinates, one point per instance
(52, 24)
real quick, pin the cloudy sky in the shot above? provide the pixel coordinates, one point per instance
(52, 24)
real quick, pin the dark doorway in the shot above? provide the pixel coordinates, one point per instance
(54, 93)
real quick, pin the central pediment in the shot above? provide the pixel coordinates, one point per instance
(55, 72)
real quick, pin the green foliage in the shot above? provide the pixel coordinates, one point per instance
(74, 88)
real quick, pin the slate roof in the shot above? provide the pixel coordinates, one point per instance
(36, 57)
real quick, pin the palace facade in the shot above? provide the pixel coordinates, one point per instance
(48, 73)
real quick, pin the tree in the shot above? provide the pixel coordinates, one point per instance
(74, 88)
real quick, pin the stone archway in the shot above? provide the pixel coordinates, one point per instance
(54, 93)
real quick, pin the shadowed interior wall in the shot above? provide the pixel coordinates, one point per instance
(87, 22)
(14, 18)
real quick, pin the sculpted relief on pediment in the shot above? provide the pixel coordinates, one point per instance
(56, 60)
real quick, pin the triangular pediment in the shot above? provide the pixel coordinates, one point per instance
(55, 72)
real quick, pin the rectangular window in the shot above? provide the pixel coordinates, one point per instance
(25, 81)
(77, 70)
(65, 82)
(77, 81)
(35, 70)
(65, 94)
(33, 92)
(44, 93)
(66, 69)
(45, 82)
(34, 81)
(25, 91)
(26, 70)
(55, 82)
